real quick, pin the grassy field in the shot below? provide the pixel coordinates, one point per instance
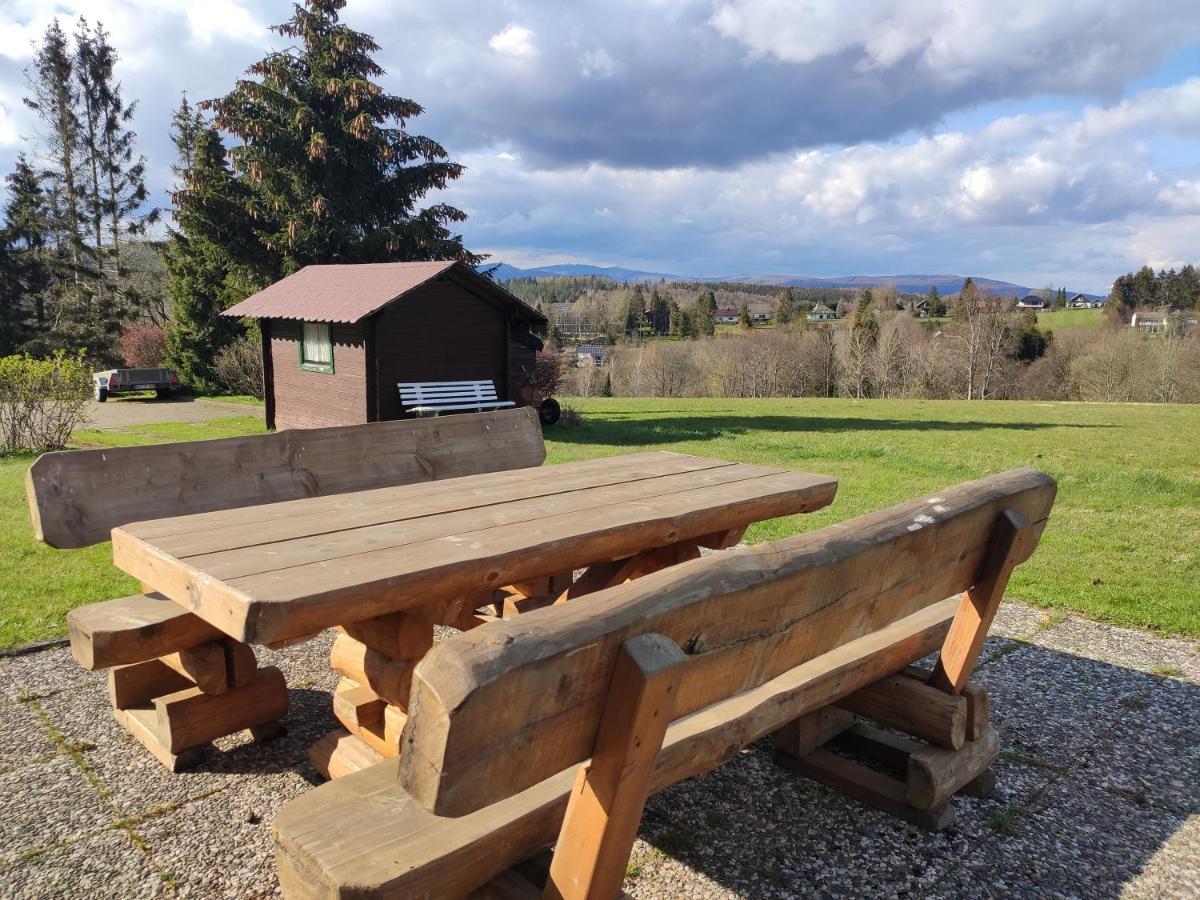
(1072, 318)
(1123, 545)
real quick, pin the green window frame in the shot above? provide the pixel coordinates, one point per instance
(316, 347)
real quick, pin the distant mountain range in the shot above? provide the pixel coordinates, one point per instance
(911, 284)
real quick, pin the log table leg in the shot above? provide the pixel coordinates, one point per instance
(375, 658)
(178, 704)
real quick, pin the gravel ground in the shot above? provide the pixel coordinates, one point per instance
(1098, 791)
(117, 413)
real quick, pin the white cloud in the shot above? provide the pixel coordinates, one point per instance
(515, 40)
(596, 63)
(1057, 46)
(1033, 196)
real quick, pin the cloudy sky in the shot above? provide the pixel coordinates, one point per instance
(1051, 142)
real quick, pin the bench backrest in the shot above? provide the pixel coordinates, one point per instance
(442, 393)
(498, 709)
(76, 497)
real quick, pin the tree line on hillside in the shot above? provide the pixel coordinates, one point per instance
(986, 350)
(1147, 289)
(306, 160)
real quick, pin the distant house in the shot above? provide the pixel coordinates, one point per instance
(727, 316)
(1153, 321)
(337, 339)
(821, 313)
(920, 308)
(1033, 302)
(589, 355)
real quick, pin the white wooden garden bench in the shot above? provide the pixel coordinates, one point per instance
(432, 397)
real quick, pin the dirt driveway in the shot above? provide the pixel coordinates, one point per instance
(143, 411)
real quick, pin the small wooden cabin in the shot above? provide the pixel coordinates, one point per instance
(337, 339)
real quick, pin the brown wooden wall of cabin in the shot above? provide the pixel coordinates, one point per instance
(304, 399)
(439, 332)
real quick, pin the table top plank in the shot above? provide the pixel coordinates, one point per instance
(264, 592)
(364, 509)
(255, 556)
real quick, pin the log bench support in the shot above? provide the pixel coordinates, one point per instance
(914, 780)
(942, 708)
(175, 683)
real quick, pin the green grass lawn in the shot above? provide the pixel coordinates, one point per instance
(1123, 544)
(1072, 318)
(38, 585)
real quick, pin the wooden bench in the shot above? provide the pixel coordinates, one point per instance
(727, 649)
(432, 397)
(176, 681)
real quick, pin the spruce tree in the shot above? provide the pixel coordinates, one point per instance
(122, 170)
(27, 268)
(702, 314)
(54, 98)
(785, 307)
(209, 258)
(333, 174)
(744, 322)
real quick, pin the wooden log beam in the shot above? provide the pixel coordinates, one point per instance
(203, 665)
(387, 678)
(142, 723)
(358, 705)
(132, 630)
(935, 774)
(191, 717)
(805, 734)
(978, 704)
(914, 707)
(871, 787)
(402, 635)
(609, 574)
(139, 683)
(340, 753)
(1013, 540)
(381, 735)
(610, 792)
(241, 665)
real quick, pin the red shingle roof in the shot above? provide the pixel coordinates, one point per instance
(338, 293)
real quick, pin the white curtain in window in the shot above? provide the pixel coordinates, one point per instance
(317, 347)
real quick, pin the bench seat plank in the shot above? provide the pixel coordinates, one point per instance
(364, 834)
(454, 407)
(133, 630)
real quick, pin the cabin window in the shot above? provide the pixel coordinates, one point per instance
(316, 347)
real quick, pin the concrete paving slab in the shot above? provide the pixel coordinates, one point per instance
(106, 864)
(47, 804)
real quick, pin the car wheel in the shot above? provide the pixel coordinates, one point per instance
(549, 412)
(101, 394)
(162, 393)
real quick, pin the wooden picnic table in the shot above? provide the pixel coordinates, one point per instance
(284, 570)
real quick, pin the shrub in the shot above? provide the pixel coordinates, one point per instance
(570, 417)
(42, 401)
(143, 345)
(550, 368)
(239, 368)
